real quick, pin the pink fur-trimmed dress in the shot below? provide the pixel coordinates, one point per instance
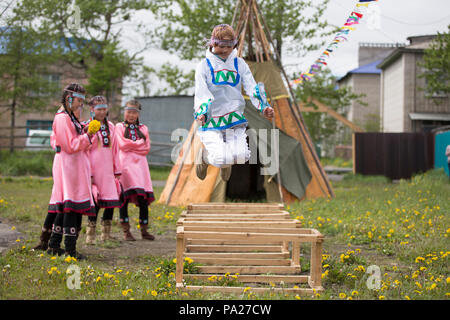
(104, 160)
(71, 169)
(135, 178)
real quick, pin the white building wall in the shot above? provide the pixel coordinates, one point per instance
(393, 97)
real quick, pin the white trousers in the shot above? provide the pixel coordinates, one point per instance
(225, 147)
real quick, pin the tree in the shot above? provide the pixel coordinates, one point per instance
(185, 24)
(322, 128)
(436, 62)
(24, 60)
(170, 78)
(91, 44)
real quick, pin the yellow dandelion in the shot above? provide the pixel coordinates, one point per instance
(342, 295)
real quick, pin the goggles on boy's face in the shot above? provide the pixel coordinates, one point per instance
(101, 106)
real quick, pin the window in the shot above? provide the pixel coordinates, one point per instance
(50, 82)
(39, 125)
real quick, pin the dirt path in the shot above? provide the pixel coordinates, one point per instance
(119, 252)
(8, 236)
(113, 253)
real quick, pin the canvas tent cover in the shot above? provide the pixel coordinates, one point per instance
(295, 175)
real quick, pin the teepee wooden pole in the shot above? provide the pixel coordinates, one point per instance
(235, 13)
(298, 118)
(181, 164)
(265, 43)
(242, 35)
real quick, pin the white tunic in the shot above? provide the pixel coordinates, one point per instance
(218, 91)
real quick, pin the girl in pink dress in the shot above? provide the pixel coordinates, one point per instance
(104, 160)
(71, 194)
(134, 145)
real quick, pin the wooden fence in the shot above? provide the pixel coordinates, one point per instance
(394, 155)
(19, 136)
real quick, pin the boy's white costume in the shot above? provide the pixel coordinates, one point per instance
(218, 96)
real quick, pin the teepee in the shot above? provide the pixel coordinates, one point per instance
(300, 175)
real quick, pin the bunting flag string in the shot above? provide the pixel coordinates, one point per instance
(350, 25)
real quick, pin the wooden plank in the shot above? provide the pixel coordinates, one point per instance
(238, 213)
(243, 229)
(238, 216)
(188, 218)
(241, 255)
(230, 242)
(249, 269)
(254, 278)
(231, 248)
(232, 206)
(274, 224)
(243, 262)
(263, 237)
(241, 211)
(316, 264)
(179, 256)
(295, 253)
(301, 291)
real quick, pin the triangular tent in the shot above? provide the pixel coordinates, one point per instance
(300, 174)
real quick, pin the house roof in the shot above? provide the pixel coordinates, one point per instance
(370, 68)
(71, 43)
(429, 116)
(417, 45)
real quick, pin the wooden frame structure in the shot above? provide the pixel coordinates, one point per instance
(250, 241)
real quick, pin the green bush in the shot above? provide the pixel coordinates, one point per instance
(21, 163)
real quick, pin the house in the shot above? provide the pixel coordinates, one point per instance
(365, 79)
(404, 105)
(59, 74)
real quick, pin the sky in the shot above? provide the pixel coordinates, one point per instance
(398, 19)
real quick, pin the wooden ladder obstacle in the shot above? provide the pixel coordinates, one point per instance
(250, 240)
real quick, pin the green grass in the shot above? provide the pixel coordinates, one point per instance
(160, 173)
(402, 228)
(337, 162)
(19, 163)
(39, 163)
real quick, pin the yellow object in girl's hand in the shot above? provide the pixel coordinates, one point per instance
(94, 126)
